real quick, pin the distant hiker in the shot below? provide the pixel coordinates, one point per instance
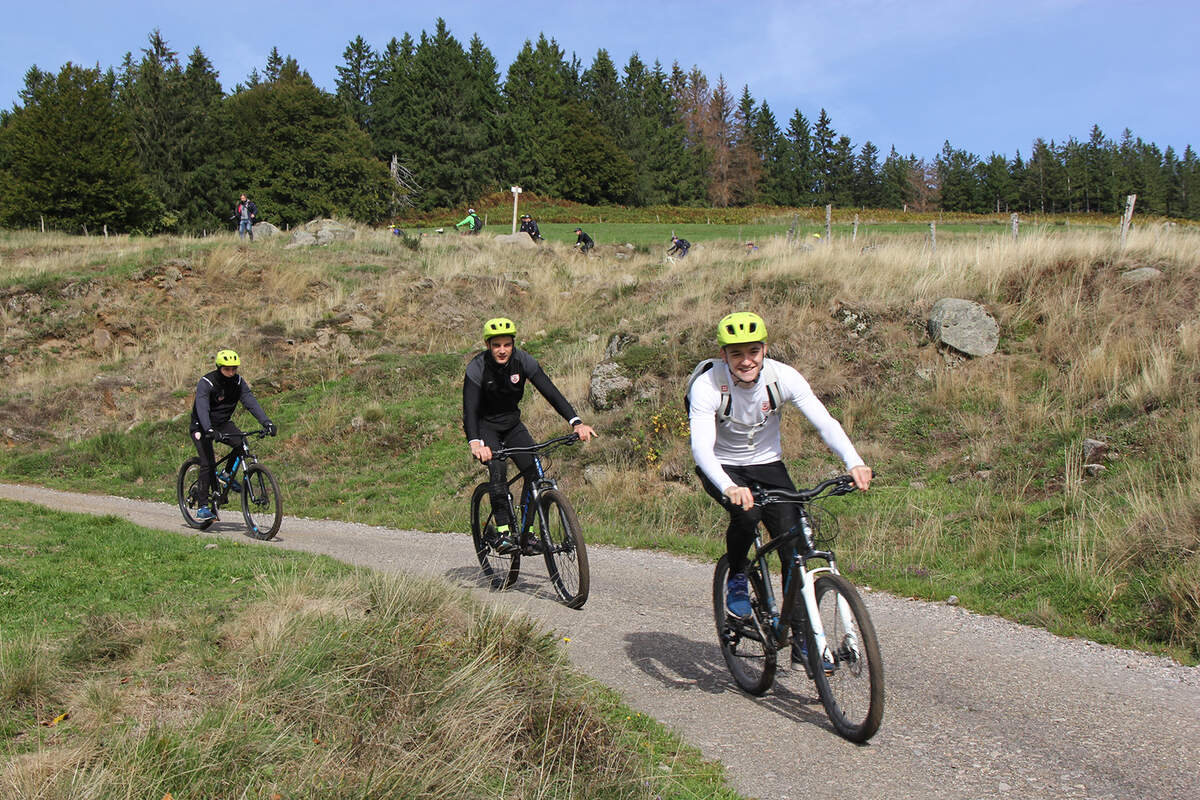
(472, 220)
(396, 230)
(583, 241)
(680, 246)
(751, 247)
(244, 213)
(530, 227)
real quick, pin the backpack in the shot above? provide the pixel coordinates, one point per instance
(768, 375)
(476, 223)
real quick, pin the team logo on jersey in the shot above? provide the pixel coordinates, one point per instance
(766, 406)
(515, 378)
(724, 388)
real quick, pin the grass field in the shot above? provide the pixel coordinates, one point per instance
(357, 350)
(138, 663)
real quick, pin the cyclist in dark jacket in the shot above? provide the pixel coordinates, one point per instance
(583, 241)
(246, 213)
(492, 390)
(680, 246)
(530, 227)
(217, 395)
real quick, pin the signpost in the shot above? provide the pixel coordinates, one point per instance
(516, 190)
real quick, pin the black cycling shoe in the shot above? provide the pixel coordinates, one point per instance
(506, 544)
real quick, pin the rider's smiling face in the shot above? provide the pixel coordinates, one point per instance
(744, 360)
(501, 348)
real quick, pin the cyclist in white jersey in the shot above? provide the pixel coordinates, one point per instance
(734, 406)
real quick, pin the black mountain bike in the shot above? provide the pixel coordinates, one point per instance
(262, 506)
(840, 648)
(545, 512)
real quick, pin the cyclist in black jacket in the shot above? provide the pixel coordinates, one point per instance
(583, 241)
(529, 226)
(217, 395)
(492, 392)
(680, 246)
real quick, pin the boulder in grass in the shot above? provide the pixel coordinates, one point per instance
(963, 325)
(518, 240)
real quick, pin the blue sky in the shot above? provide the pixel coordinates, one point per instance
(988, 76)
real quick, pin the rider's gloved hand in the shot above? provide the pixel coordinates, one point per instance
(270, 428)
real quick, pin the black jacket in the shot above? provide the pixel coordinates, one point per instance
(531, 227)
(218, 396)
(493, 393)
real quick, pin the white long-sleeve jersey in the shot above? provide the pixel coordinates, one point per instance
(750, 435)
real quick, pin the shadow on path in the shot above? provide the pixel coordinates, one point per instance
(681, 663)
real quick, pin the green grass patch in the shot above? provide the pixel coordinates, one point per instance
(170, 667)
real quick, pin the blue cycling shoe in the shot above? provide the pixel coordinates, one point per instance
(737, 597)
(204, 513)
(800, 657)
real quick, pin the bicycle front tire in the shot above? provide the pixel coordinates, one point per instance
(850, 681)
(187, 494)
(566, 554)
(747, 645)
(500, 569)
(262, 507)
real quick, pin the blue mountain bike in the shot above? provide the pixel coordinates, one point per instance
(262, 507)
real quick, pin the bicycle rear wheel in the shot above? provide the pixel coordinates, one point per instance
(187, 493)
(499, 568)
(747, 646)
(566, 554)
(852, 688)
(261, 505)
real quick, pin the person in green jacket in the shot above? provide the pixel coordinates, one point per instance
(472, 220)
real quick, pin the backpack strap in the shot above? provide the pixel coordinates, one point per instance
(769, 376)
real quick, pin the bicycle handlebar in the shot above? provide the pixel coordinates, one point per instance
(842, 484)
(260, 433)
(508, 452)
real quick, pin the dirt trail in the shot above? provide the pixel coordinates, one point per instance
(977, 707)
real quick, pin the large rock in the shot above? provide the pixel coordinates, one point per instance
(609, 386)
(301, 238)
(264, 230)
(518, 240)
(329, 230)
(964, 325)
(1141, 275)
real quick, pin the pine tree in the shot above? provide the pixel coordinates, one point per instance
(601, 94)
(823, 143)
(355, 78)
(535, 92)
(768, 144)
(867, 189)
(896, 181)
(799, 162)
(67, 156)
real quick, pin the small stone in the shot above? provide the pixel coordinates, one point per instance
(211, 546)
(952, 600)
(916, 484)
(1092, 470)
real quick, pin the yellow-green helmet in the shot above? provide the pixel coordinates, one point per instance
(741, 327)
(498, 326)
(228, 358)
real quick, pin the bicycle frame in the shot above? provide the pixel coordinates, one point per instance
(531, 508)
(230, 463)
(800, 579)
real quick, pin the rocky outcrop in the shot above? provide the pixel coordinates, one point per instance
(963, 325)
(608, 386)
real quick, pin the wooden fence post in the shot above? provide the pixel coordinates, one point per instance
(1127, 218)
(854, 235)
(42, 220)
(828, 222)
(1015, 225)
(933, 235)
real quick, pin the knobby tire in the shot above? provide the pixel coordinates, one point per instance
(500, 569)
(748, 646)
(187, 494)
(566, 554)
(262, 506)
(852, 691)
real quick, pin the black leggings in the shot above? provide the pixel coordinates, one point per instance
(496, 438)
(208, 459)
(777, 518)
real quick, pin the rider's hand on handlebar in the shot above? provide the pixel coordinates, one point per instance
(740, 496)
(481, 452)
(585, 432)
(862, 477)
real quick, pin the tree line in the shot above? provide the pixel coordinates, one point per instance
(158, 145)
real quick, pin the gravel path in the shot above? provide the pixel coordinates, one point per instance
(977, 707)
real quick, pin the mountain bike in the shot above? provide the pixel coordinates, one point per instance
(559, 536)
(262, 507)
(839, 646)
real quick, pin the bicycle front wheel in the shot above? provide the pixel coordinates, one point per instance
(850, 681)
(261, 504)
(187, 493)
(499, 568)
(747, 645)
(566, 554)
